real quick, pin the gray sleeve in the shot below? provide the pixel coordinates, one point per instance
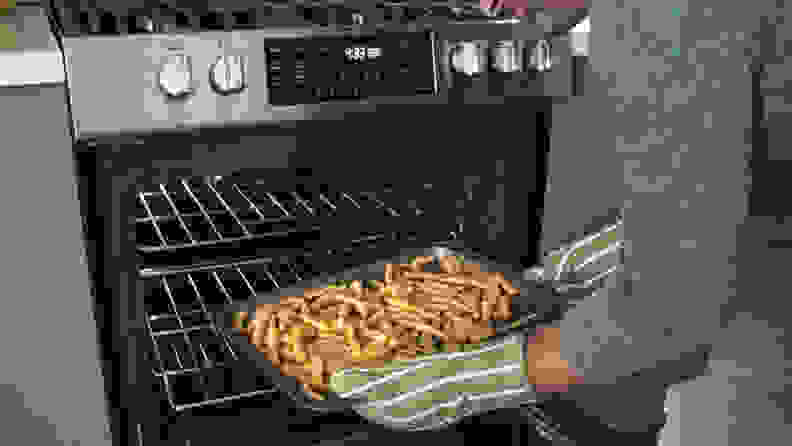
(680, 91)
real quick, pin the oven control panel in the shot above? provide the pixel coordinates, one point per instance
(262, 76)
(314, 70)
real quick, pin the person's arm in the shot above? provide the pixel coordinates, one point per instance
(673, 97)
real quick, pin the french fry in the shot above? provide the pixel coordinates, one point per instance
(506, 310)
(453, 303)
(342, 315)
(320, 302)
(447, 278)
(375, 318)
(321, 387)
(502, 307)
(473, 301)
(400, 303)
(357, 287)
(297, 344)
(446, 264)
(390, 273)
(471, 268)
(423, 327)
(265, 310)
(426, 343)
(313, 293)
(387, 327)
(481, 332)
(438, 291)
(319, 325)
(259, 334)
(375, 335)
(250, 330)
(286, 317)
(317, 370)
(273, 340)
(396, 312)
(309, 331)
(298, 303)
(506, 285)
(287, 354)
(375, 350)
(435, 306)
(312, 393)
(350, 337)
(490, 300)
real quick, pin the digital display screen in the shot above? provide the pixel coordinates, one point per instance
(321, 69)
(362, 53)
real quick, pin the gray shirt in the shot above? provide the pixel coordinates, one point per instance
(666, 123)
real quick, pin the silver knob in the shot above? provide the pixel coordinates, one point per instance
(506, 57)
(491, 8)
(469, 58)
(175, 77)
(227, 75)
(540, 56)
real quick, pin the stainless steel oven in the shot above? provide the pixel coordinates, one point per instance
(229, 149)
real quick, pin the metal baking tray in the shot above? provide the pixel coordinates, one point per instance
(536, 303)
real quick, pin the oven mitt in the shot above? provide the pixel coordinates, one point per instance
(440, 389)
(584, 263)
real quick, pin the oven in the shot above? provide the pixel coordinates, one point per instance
(224, 151)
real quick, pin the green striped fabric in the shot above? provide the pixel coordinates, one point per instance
(428, 391)
(592, 246)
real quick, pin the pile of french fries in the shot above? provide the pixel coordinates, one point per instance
(410, 313)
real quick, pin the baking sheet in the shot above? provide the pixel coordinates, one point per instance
(536, 301)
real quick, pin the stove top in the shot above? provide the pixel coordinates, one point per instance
(121, 17)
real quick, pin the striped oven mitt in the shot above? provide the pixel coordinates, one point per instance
(586, 262)
(440, 389)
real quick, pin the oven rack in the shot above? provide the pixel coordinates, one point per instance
(191, 356)
(213, 213)
(195, 360)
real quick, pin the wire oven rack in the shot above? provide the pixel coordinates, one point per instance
(190, 355)
(215, 214)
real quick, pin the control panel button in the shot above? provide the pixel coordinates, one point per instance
(175, 77)
(227, 75)
(469, 58)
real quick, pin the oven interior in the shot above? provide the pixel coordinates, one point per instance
(218, 217)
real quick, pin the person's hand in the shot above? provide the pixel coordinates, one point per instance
(545, 368)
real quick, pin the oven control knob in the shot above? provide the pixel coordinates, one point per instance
(227, 75)
(540, 56)
(469, 58)
(175, 77)
(507, 57)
